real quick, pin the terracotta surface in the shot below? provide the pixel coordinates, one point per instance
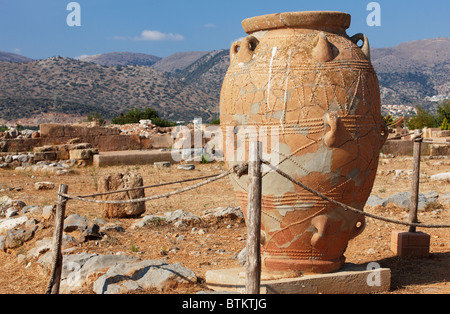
(300, 75)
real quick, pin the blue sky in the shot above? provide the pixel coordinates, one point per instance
(38, 28)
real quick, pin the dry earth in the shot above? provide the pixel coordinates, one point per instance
(218, 246)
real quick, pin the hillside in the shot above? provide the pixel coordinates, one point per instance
(207, 73)
(187, 85)
(414, 70)
(75, 87)
(178, 61)
(122, 58)
(12, 57)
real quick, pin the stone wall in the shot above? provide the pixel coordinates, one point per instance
(105, 139)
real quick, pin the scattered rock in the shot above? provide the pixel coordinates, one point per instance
(17, 237)
(77, 268)
(162, 164)
(39, 186)
(11, 212)
(441, 177)
(403, 200)
(40, 247)
(116, 228)
(92, 232)
(149, 219)
(242, 256)
(48, 211)
(129, 277)
(15, 205)
(11, 223)
(223, 214)
(445, 199)
(182, 218)
(186, 167)
(32, 209)
(374, 201)
(88, 229)
(75, 223)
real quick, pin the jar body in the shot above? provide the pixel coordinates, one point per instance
(315, 92)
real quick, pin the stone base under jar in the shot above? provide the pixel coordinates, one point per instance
(288, 267)
(351, 279)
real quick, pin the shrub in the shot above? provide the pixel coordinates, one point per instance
(135, 115)
(445, 125)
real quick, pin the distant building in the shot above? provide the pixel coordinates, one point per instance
(436, 98)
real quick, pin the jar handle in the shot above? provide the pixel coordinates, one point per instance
(235, 47)
(365, 46)
(244, 49)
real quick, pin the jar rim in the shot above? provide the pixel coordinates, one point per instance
(333, 21)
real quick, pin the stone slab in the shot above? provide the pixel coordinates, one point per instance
(135, 157)
(352, 279)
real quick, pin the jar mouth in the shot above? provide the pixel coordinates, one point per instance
(332, 21)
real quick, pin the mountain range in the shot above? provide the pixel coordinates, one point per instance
(184, 85)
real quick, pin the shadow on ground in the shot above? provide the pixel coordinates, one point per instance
(418, 271)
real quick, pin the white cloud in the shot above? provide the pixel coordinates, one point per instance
(152, 35)
(81, 57)
(209, 25)
(157, 36)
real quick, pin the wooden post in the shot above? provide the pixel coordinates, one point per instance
(253, 274)
(55, 277)
(414, 203)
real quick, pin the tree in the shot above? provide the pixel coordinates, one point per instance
(96, 117)
(443, 112)
(423, 119)
(445, 125)
(135, 115)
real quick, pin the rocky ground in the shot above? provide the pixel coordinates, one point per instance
(200, 230)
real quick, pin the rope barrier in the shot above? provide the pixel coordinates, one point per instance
(346, 207)
(238, 170)
(148, 186)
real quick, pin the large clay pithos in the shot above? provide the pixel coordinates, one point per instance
(301, 75)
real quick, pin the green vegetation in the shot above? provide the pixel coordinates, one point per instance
(445, 125)
(426, 119)
(422, 120)
(443, 115)
(135, 115)
(96, 117)
(215, 121)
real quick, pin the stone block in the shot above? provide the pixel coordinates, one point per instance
(83, 154)
(49, 156)
(51, 130)
(410, 244)
(115, 158)
(162, 164)
(117, 182)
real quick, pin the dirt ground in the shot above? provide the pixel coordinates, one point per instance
(217, 248)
